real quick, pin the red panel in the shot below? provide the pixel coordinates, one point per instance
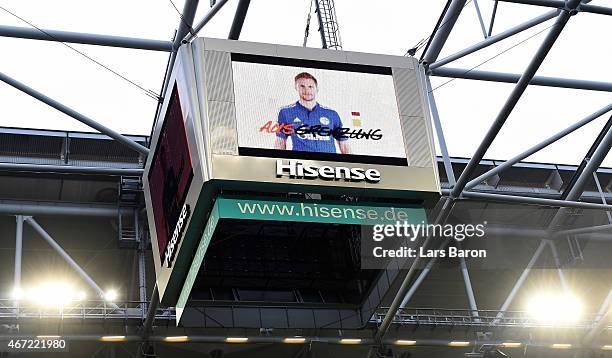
(171, 172)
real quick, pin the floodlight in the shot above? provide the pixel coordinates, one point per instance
(561, 346)
(51, 294)
(236, 339)
(177, 339)
(17, 294)
(110, 295)
(350, 341)
(112, 338)
(403, 342)
(553, 308)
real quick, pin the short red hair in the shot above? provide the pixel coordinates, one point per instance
(307, 76)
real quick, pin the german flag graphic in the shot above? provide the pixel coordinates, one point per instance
(356, 117)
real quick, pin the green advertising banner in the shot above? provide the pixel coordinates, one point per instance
(330, 213)
(315, 212)
(209, 230)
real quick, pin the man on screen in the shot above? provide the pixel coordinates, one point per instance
(313, 128)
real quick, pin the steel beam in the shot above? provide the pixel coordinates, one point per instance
(153, 303)
(142, 272)
(516, 232)
(434, 30)
(519, 232)
(513, 99)
(18, 252)
(166, 83)
(417, 283)
(448, 167)
(496, 38)
(419, 280)
(494, 12)
(510, 162)
(601, 324)
(70, 169)
(74, 114)
(604, 314)
(604, 306)
(602, 195)
(84, 38)
(142, 282)
(531, 200)
(555, 255)
(65, 256)
(12, 207)
(442, 33)
(584, 230)
(189, 11)
(538, 233)
(406, 283)
(468, 287)
(522, 278)
(594, 9)
(482, 25)
(147, 326)
(587, 157)
(514, 78)
(574, 192)
(211, 13)
(543, 193)
(239, 16)
(547, 3)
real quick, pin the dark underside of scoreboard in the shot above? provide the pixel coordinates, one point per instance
(265, 262)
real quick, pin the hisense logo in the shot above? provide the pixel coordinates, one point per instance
(298, 170)
(176, 236)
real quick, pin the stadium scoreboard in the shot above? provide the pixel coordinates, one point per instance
(266, 120)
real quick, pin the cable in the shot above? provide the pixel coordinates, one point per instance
(307, 31)
(497, 55)
(425, 40)
(413, 51)
(176, 9)
(430, 37)
(191, 30)
(148, 92)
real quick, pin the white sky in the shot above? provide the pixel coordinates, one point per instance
(467, 108)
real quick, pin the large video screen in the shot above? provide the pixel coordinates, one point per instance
(317, 113)
(171, 173)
